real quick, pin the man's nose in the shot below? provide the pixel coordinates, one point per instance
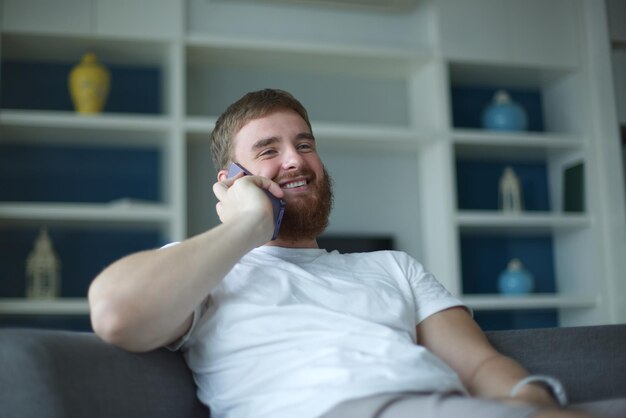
(292, 160)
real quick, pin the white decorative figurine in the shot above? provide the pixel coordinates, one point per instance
(510, 192)
(43, 269)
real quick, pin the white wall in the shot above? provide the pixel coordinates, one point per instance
(377, 195)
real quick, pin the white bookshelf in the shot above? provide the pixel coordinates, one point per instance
(473, 57)
(377, 88)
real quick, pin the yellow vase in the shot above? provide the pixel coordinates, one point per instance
(89, 83)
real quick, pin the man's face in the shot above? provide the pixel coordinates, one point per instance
(280, 146)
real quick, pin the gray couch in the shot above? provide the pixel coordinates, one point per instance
(62, 374)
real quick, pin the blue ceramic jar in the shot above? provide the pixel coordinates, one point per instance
(515, 280)
(503, 114)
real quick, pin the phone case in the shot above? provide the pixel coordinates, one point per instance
(278, 205)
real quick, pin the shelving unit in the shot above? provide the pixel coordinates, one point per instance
(382, 92)
(470, 252)
(62, 129)
(94, 217)
(357, 95)
(539, 235)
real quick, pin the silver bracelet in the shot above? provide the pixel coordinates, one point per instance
(553, 385)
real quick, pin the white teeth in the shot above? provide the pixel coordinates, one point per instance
(294, 184)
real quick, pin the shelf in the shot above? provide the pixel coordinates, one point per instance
(524, 223)
(62, 306)
(337, 83)
(87, 213)
(72, 128)
(200, 125)
(101, 121)
(479, 73)
(547, 301)
(50, 48)
(476, 143)
(482, 138)
(310, 57)
(383, 135)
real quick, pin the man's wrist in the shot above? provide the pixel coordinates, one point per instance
(540, 389)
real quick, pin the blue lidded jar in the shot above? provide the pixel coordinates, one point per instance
(516, 280)
(503, 114)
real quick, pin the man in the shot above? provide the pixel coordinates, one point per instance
(284, 329)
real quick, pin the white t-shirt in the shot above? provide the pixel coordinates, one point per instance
(293, 332)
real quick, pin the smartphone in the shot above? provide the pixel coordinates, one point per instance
(278, 205)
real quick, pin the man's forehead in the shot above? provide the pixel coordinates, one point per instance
(254, 139)
(271, 114)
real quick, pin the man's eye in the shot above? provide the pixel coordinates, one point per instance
(267, 152)
(305, 147)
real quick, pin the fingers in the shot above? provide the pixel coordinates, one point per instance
(219, 208)
(221, 187)
(241, 195)
(269, 185)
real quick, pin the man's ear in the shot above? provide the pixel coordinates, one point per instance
(222, 175)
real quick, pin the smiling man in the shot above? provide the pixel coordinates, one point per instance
(285, 329)
(281, 147)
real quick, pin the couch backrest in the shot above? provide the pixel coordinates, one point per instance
(62, 374)
(590, 361)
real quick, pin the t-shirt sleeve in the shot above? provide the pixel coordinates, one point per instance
(429, 294)
(197, 314)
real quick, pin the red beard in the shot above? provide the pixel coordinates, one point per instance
(306, 217)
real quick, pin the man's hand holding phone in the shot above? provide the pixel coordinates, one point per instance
(248, 197)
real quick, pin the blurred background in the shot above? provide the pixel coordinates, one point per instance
(405, 98)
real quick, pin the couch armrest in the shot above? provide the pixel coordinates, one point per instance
(590, 361)
(62, 374)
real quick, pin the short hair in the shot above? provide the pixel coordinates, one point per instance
(253, 105)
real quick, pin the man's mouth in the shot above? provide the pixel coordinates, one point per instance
(294, 184)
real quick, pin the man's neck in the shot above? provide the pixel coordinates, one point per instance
(301, 243)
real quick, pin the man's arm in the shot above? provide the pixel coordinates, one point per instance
(146, 300)
(455, 338)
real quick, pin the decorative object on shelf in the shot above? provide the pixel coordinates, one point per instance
(43, 269)
(516, 280)
(503, 114)
(89, 83)
(511, 199)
